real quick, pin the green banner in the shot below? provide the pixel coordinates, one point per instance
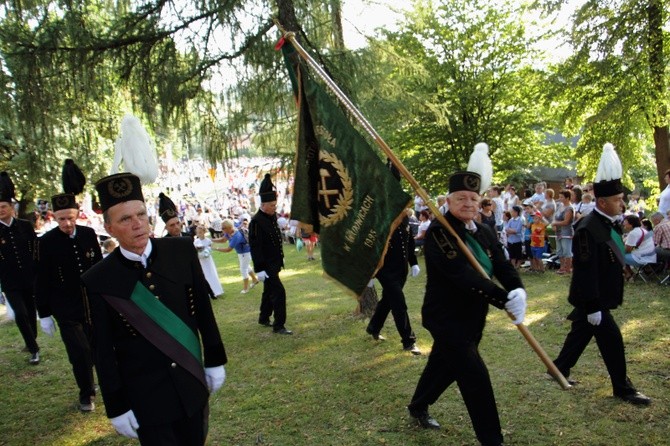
(341, 185)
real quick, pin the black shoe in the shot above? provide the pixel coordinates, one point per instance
(413, 349)
(424, 419)
(265, 323)
(635, 398)
(87, 406)
(375, 335)
(34, 358)
(283, 331)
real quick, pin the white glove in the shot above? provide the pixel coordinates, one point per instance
(595, 318)
(516, 304)
(215, 377)
(415, 270)
(262, 276)
(126, 424)
(48, 325)
(371, 283)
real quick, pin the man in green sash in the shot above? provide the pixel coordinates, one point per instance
(158, 351)
(455, 306)
(597, 282)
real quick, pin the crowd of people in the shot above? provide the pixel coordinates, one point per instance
(158, 352)
(538, 228)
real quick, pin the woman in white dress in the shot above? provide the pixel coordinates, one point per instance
(204, 247)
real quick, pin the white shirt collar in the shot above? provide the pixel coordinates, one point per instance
(471, 226)
(11, 220)
(610, 218)
(136, 257)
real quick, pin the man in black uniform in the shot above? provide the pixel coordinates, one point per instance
(267, 253)
(455, 306)
(168, 212)
(392, 277)
(17, 267)
(63, 255)
(157, 348)
(597, 282)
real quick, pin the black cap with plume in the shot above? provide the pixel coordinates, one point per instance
(166, 208)
(267, 190)
(6, 188)
(118, 188)
(73, 178)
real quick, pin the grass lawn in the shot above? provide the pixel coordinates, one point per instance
(331, 384)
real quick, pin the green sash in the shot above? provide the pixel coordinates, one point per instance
(618, 240)
(166, 319)
(479, 253)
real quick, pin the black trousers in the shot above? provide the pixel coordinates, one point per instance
(78, 347)
(453, 360)
(23, 304)
(393, 301)
(188, 431)
(273, 300)
(610, 343)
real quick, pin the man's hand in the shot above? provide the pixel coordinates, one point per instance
(126, 424)
(262, 276)
(516, 304)
(48, 326)
(215, 377)
(595, 318)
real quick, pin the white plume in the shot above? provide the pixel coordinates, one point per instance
(481, 164)
(134, 147)
(609, 167)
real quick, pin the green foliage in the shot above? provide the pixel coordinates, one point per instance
(331, 384)
(456, 74)
(615, 86)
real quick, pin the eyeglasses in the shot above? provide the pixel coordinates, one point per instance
(489, 204)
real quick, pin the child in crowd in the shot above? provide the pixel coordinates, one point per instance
(538, 231)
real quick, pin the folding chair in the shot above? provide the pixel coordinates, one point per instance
(648, 272)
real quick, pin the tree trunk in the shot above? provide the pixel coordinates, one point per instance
(287, 17)
(655, 13)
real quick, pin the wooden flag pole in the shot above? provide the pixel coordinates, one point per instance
(346, 102)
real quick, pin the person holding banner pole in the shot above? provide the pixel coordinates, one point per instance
(457, 301)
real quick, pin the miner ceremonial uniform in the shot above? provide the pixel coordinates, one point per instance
(597, 283)
(17, 267)
(157, 347)
(392, 277)
(17, 276)
(456, 304)
(267, 253)
(61, 261)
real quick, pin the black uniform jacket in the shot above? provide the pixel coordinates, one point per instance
(61, 261)
(17, 255)
(132, 372)
(458, 296)
(597, 277)
(399, 254)
(265, 241)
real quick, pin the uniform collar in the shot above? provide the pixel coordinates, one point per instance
(136, 257)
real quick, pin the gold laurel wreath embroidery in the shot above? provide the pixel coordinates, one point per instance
(344, 199)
